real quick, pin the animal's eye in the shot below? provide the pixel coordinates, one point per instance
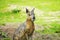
(33, 17)
(29, 14)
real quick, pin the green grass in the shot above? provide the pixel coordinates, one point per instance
(11, 17)
(44, 5)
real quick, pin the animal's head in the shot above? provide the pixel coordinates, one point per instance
(30, 14)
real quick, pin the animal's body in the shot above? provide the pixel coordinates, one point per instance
(26, 29)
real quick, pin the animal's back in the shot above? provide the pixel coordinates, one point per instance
(23, 31)
(20, 32)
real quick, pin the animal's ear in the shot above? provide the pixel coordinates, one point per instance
(33, 10)
(27, 10)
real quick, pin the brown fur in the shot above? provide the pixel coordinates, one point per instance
(28, 31)
(29, 26)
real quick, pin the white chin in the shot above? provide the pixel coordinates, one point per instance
(32, 19)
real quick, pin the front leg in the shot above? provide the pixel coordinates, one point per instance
(27, 37)
(30, 38)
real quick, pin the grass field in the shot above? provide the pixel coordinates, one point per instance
(50, 15)
(47, 13)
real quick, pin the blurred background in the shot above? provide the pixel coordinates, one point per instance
(47, 14)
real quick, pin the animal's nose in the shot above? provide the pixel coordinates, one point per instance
(33, 17)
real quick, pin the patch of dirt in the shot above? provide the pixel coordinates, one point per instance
(9, 28)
